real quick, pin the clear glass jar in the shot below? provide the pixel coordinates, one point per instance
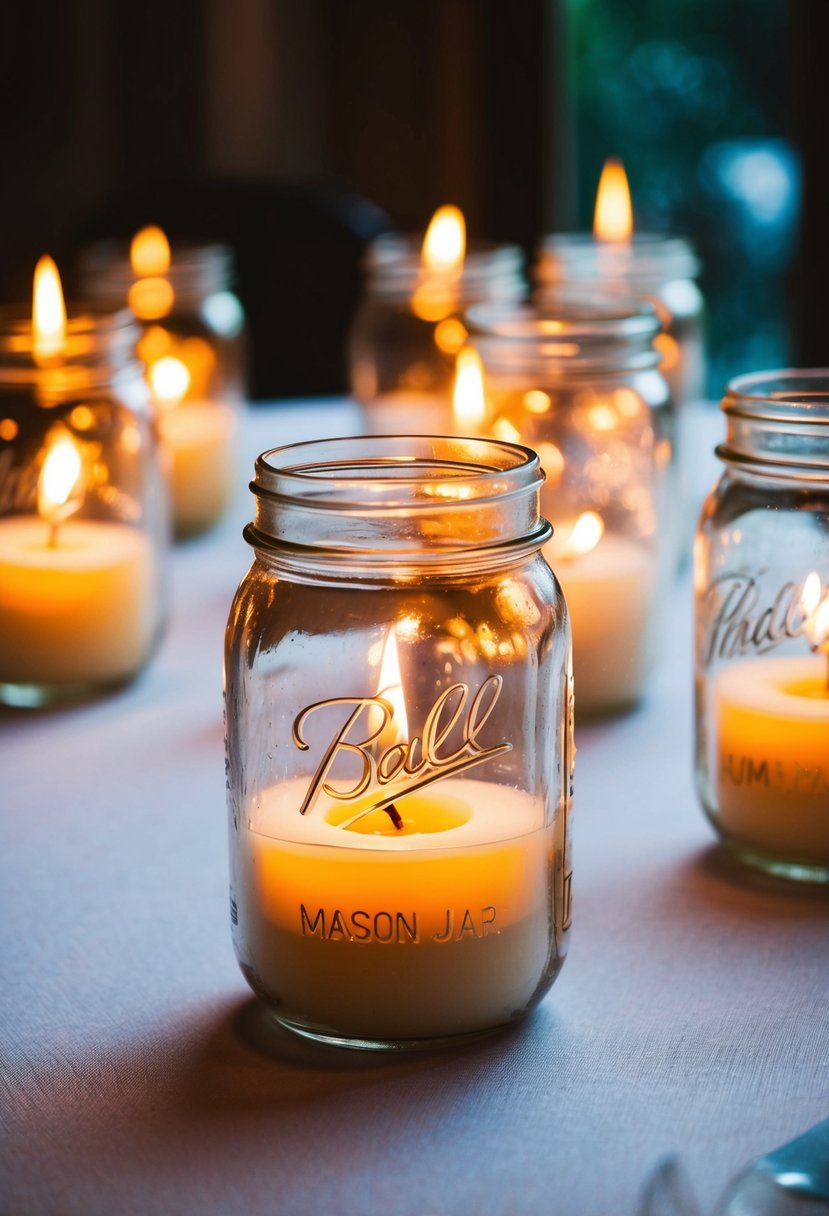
(762, 627)
(408, 330)
(193, 347)
(399, 741)
(83, 513)
(664, 269)
(578, 381)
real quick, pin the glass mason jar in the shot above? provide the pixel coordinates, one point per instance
(83, 513)
(193, 347)
(762, 627)
(408, 330)
(578, 381)
(399, 741)
(664, 269)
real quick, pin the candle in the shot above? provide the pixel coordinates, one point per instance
(78, 612)
(440, 927)
(770, 741)
(608, 582)
(77, 597)
(199, 437)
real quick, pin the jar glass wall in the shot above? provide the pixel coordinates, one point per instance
(398, 695)
(192, 345)
(83, 513)
(577, 380)
(762, 627)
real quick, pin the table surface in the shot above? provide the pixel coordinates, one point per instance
(137, 1078)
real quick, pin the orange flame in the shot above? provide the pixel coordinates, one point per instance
(48, 311)
(444, 246)
(469, 398)
(150, 252)
(613, 217)
(814, 603)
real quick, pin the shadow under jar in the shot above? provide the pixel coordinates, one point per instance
(762, 627)
(83, 513)
(578, 381)
(399, 741)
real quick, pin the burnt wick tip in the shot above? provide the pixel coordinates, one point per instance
(395, 816)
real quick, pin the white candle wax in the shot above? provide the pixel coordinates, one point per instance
(408, 412)
(608, 592)
(81, 611)
(439, 932)
(770, 755)
(199, 437)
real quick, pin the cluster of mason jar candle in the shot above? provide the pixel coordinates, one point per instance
(116, 431)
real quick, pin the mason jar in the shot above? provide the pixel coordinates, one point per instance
(578, 381)
(192, 344)
(408, 329)
(762, 627)
(399, 741)
(663, 269)
(83, 513)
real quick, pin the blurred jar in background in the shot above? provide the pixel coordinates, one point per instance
(408, 328)
(192, 346)
(578, 381)
(83, 508)
(662, 268)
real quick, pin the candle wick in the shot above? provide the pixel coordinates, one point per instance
(52, 540)
(394, 815)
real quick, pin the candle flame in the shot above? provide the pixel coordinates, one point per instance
(59, 487)
(444, 246)
(469, 398)
(48, 312)
(169, 380)
(584, 536)
(613, 217)
(390, 688)
(814, 604)
(150, 252)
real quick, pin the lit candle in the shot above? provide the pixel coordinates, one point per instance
(77, 597)
(199, 439)
(420, 910)
(771, 742)
(607, 581)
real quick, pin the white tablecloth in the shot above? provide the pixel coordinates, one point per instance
(690, 1015)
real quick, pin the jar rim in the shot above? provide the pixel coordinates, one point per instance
(195, 268)
(647, 256)
(95, 336)
(418, 499)
(787, 394)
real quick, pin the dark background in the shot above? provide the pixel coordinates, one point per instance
(266, 122)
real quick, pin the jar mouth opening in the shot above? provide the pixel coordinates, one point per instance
(796, 395)
(566, 314)
(199, 269)
(92, 332)
(392, 264)
(396, 470)
(646, 256)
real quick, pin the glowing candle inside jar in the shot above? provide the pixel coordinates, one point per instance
(198, 436)
(607, 581)
(771, 745)
(414, 909)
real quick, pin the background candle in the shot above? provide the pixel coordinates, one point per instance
(80, 611)
(439, 929)
(770, 756)
(608, 590)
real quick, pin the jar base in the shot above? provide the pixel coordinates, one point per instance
(778, 867)
(330, 1038)
(47, 696)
